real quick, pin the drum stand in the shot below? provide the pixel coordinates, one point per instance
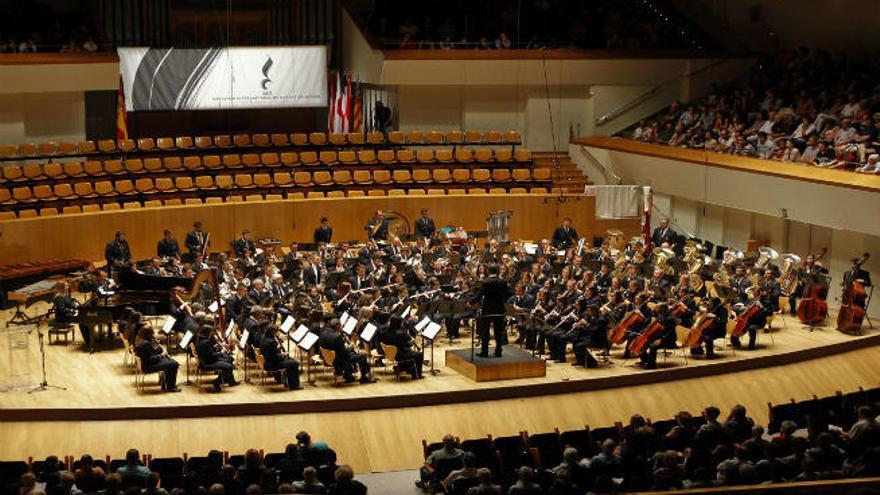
(44, 385)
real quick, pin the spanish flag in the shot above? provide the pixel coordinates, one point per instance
(121, 118)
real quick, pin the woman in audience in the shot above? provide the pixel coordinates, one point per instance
(345, 483)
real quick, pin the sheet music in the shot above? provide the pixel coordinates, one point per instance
(308, 341)
(300, 332)
(168, 325)
(431, 331)
(244, 338)
(229, 329)
(349, 326)
(213, 307)
(287, 324)
(368, 332)
(422, 324)
(531, 248)
(406, 312)
(344, 318)
(184, 342)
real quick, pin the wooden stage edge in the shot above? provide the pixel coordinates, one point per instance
(512, 391)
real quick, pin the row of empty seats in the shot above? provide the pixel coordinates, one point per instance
(113, 204)
(152, 145)
(54, 171)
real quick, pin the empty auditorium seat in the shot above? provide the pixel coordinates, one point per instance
(27, 213)
(436, 137)
(396, 138)
(342, 178)
(64, 191)
(172, 163)
(231, 161)
(152, 165)
(456, 191)
(107, 146)
(402, 177)
(251, 160)
(8, 151)
(376, 192)
(296, 195)
(67, 210)
(522, 175)
(184, 143)
(348, 157)
(503, 156)
(131, 205)
(491, 137)
(406, 156)
(43, 192)
(474, 190)
(7, 215)
(193, 163)
(73, 169)
(497, 190)
(167, 202)
(224, 182)
(84, 190)
(309, 158)
(262, 181)
(303, 179)
(250, 198)
(454, 137)
(484, 156)
(274, 197)
(282, 179)
(464, 155)
(538, 190)
(541, 174)
(337, 139)
(518, 190)
(6, 196)
(511, 137)
(47, 149)
(67, 148)
(165, 185)
(461, 175)
(127, 145)
(152, 203)
(289, 159)
(473, 137)
(416, 192)
(87, 147)
(522, 155)
(184, 184)
(328, 158)
(270, 159)
(145, 185)
(357, 138)
(501, 175)
(279, 139)
(421, 176)
(134, 166)
(436, 192)
(315, 195)
(441, 176)
(375, 137)
(386, 157)
(335, 194)
(481, 175)
(382, 177)
(94, 168)
(299, 139)
(125, 187)
(165, 143)
(425, 155)
(205, 183)
(114, 167)
(357, 193)
(322, 178)
(27, 150)
(193, 201)
(105, 188)
(415, 137)
(223, 141)
(13, 173)
(23, 195)
(396, 192)
(146, 144)
(367, 157)
(53, 171)
(33, 172)
(242, 140)
(203, 142)
(362, 177)
(318, 138)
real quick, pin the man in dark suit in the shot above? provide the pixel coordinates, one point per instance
(347, 359)
(167, 246)
(565, 236)
(276, 361)
(311, 273)
(493, 293)
(425, 225)
(213, 359)
(377, 227)
(855, 273)
(411, 360)
(359, 280)
(324, 232)
(244, 244)
(153, 359)
(662, 234)
(196, 240)
(117, 252)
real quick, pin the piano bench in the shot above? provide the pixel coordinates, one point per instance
(61, 329)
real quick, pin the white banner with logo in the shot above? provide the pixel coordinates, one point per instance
(223, 78)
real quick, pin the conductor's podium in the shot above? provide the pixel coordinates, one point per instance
(514, 363)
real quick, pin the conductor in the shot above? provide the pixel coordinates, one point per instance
(492, 294)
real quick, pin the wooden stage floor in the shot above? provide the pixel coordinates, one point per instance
(100, 386)
(379, 427)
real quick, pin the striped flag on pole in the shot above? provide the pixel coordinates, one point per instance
(357, 109)
(121, 117)
(331, 106)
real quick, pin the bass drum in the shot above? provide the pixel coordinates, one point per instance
(398, 225)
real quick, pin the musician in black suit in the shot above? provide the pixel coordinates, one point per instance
(277, 362)
(244, 244)
(117, 252)
(425, 225)
(594, 335)
(493, 293)
(167, 247)
(66, 311)
(411, 359)
(565, 236)
(238, 305)
(330, 337)
(196, 240)
(324, 232)
(359, 280)
(311, 273)
(377, 227)
(718, 328)
(663, 340)
(855, 273)
(662, 234)
(154, 359)
(740, 283)
(212, 358)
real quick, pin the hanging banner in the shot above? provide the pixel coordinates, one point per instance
(223, 78)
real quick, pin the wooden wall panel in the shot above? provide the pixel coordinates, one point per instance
(84, 235)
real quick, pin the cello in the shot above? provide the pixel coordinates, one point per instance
(648, 334)
(628, 321)
(852, 306)
(813, 309)
(742, 321)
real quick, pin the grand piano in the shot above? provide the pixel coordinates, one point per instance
(147, 294)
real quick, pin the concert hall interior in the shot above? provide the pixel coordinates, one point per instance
(344, 247)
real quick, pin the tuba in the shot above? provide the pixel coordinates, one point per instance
(765, 256)
(788, 278)
(661, 259)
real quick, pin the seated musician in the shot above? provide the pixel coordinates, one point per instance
(283, 367)
(154, 359)
(128, 324)
(664, 340)
(462, 308)
(117, 252)
(156, 268)
(347, 359)
(259, 294)
(604, 277)
(66, 311)
(311, 273)
(167, 246)
(769, 285)
(411, 360)
(683, 307)
(212, 357)
(640, 304)
(254, 323)
(280, 295)
(740, 283)
(238, 305)
(768, 303)
(292, 265)
(658, 285)
(806, 276)
(560, 322)
(717, 330)
(198, 265)
(244, 244)
(359, 280)
(856, 274)
(522, 304)
(593, 333)
(632, 274)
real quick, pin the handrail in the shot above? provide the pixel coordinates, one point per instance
(608, 172)
(617, 112)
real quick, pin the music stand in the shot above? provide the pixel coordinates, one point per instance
(429, 332)
(44, 385)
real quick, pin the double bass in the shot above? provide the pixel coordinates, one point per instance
(852, 306)
(813, 309)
